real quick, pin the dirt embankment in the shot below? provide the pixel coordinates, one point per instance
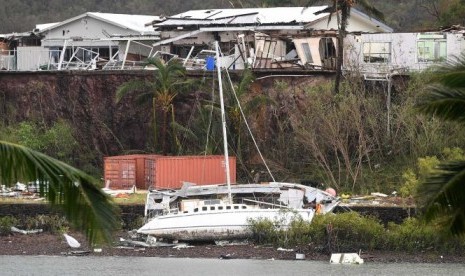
(48, 244)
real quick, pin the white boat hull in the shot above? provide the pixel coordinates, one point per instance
(217, 225)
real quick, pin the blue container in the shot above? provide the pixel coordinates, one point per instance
(210, 63)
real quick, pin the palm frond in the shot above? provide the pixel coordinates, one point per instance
(76, 193)
(131, 86)
(370, 9)
(257, 102)
(186, 132)
(445, 103)
(442, 195)
(452, 74)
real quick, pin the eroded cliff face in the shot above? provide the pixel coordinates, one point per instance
(85, 99)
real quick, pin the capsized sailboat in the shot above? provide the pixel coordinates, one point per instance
(225, 211)
(205, 212)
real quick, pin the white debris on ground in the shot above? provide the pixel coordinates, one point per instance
(72, 242)
(345, 258)
(376, 199)
(285, 249)
(20, 191)
(26, 232)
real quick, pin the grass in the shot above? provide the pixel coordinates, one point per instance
(137, 198)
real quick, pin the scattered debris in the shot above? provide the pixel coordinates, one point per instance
(299, 256)
(182, 246)
(225, 257)
(150, 242)
(231, 243)
(26, 232)
(72, 242)
(119, 193)
(379, 194)
(284, 249)
(76, 253)
(346, 258)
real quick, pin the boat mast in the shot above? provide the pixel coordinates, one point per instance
(223, 121)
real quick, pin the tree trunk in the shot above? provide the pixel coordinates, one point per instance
(340, 46)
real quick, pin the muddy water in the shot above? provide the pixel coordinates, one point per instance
(59, 265)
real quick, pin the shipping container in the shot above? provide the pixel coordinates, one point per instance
(165, 172)
(125, 171)
(169, 172)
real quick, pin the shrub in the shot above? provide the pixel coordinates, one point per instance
(5, 225)
(53, 224)
(342, 232)
(413, 235)
(345, 232)
(263, 231)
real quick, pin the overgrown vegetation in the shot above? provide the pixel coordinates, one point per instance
(53, 224)
(351, 232)
(304, 131)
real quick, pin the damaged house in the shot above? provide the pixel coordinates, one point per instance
(260, 38)
(380, 55)
(86, 41)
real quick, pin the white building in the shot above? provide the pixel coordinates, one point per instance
(380, 54)
(87, 40)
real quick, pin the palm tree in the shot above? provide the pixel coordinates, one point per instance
(161, 93)
(76, 193)
(239, 103)
(342, 10)
(442, 195)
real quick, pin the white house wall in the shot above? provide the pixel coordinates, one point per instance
(31, 58)
(403, 51)
(314, 45)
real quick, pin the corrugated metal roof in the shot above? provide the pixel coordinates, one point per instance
(131, 21)
(281, 15)
(40, 27)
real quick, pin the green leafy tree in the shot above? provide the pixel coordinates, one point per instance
(442, 195)
(342, 8)
(76, 193)
(161, 93)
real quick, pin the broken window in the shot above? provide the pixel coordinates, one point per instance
(327, 48)
(377, 52)
(432, 50)
(307, 52)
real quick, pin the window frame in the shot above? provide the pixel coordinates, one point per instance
(377, 55)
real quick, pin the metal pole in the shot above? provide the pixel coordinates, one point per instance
(388, 105)
(223, 121)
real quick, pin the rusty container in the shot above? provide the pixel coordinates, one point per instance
(125, 171)
(169, 172)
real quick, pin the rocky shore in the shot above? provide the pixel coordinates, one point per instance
(49, 244)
